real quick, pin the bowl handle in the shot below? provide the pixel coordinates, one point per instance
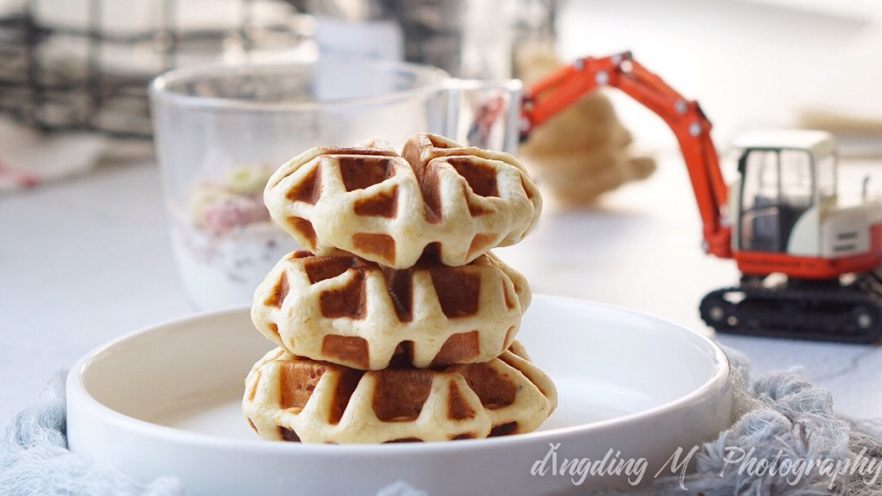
(484, 113)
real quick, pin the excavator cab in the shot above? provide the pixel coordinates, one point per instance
(788, 179)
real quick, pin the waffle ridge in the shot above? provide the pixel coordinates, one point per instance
(390, 208)
(348, 311)
(296, 399)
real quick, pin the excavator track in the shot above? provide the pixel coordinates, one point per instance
(848, 312)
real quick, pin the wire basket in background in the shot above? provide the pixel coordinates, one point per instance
(84, 65)
(475, 39)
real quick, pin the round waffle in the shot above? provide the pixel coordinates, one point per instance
(352, 312)
(440, 198)
(298, 399)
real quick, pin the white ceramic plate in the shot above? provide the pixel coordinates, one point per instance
(166, 401)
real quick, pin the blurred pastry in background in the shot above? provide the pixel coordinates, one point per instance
(584, 151)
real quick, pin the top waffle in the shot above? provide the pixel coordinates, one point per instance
(439, 198)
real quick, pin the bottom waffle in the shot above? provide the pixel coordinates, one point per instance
(297, 399)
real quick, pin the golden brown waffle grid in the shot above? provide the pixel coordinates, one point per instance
(456, 202)
(402, 327)
(355, 313)
(296, 399)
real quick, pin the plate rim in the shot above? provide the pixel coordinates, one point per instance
(77, 392)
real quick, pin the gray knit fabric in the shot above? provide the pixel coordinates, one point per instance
(781, 414)
(34, 459)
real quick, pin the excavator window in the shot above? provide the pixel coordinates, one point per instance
(777, 189)
(826, 174)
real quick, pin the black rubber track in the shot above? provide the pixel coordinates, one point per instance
(845, 312)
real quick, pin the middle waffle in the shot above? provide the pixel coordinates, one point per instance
(346, 310)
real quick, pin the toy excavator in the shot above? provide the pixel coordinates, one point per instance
(808, 265)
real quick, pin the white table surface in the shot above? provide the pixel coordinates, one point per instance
(87, 260)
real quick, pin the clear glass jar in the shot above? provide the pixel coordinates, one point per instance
(221, 130)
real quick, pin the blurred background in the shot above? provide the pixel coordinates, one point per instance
(751, 63)
(86, 252)
(83, 64)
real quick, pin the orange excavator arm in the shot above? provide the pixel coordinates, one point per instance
(570, 84)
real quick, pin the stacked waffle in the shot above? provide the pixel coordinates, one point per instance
(398, 324)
